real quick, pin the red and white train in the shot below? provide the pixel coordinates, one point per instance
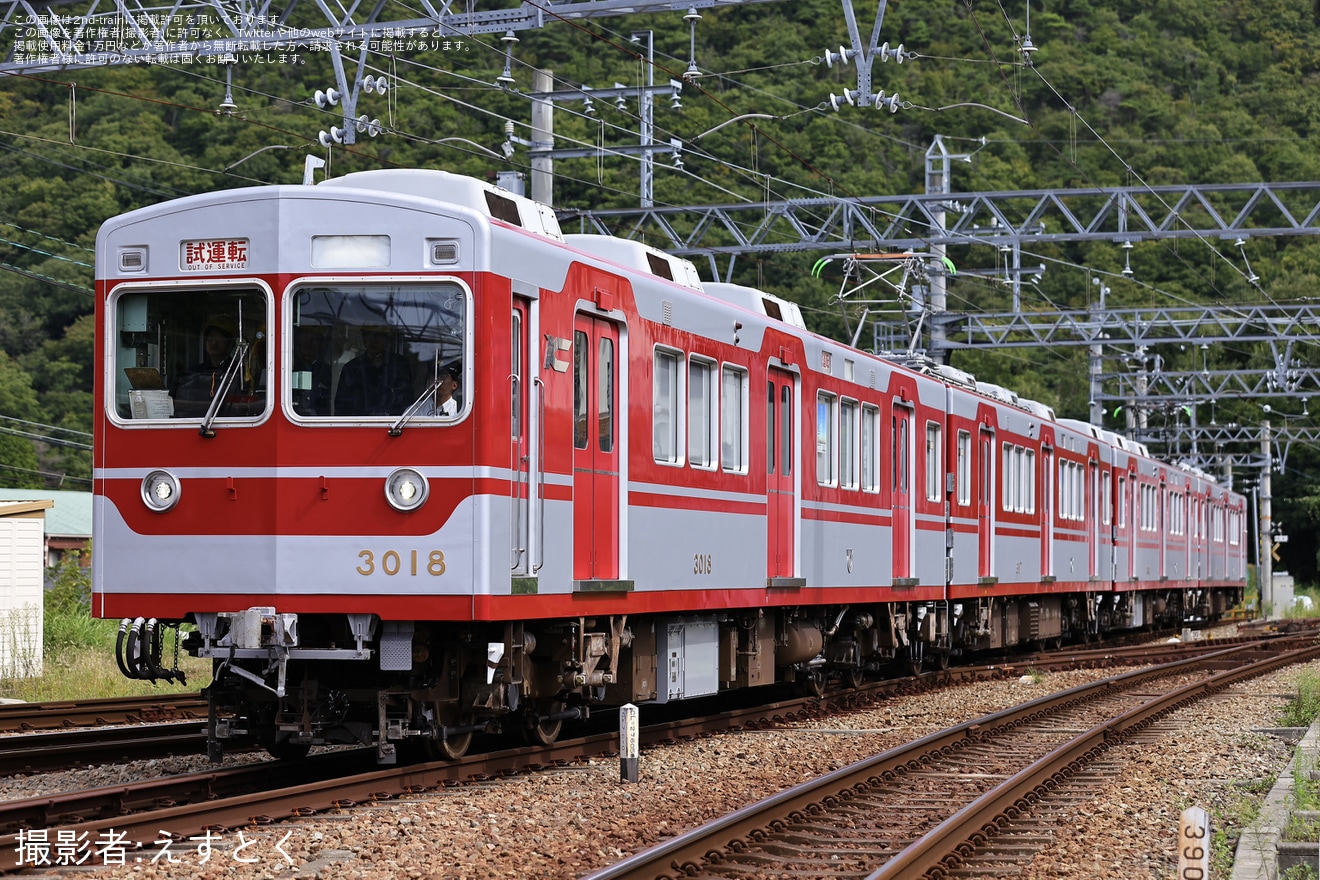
(645, 488)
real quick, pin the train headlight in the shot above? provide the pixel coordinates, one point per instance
(406, 489)
(160, 490)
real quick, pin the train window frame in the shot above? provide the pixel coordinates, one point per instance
(676, 431)
(733, 434)
(934, 460)
(870, 453)
(827, 405)
(848, 444)
(1107, 498)
(1122, 501)
(1026, 469)
(1006, 499)
(964, 444)
(418, 419)
(111, 339)
(707, 416)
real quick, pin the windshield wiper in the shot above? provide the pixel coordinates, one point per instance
(397, 428)
(231, 373)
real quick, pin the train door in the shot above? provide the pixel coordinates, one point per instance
(985, 509)
(1188, 528)
(1047, 512)
(1162, 523)
(781, 499)
(1134, 523)
(595, 449)
(1093, 528)
(901, 476)
(521, 453)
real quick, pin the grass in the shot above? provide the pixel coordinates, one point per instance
(1298, 872)
(1303, 709)
(1227, 823)
(77, 652)
(1300, 611)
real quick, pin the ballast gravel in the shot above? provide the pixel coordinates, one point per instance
(565, 822)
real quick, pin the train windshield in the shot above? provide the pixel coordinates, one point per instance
(379, 351)
(184, 353)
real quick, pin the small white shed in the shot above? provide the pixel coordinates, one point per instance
(22, 596)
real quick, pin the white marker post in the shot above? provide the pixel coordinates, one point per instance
(628, 752)
(1194, 845)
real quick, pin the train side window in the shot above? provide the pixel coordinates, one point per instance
(1122, 502)
(825, 405)
(515, 369)
(605, 395)
(1010, 479)
(848, 444)
(770, 428)
(964, 468)
(701, 414)
(581, 395)
(1027, 476)
(786, 430)
(1107, 490)
(665, 411)
(934, 452)
(870, 449)
(733, 416)
(175, 351)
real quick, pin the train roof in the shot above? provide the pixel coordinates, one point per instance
(443, 186)
(756, 300)
(638, 256)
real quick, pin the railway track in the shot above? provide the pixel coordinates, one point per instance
(928, 808)
(65, 749)
(267, 791)
(57, 714)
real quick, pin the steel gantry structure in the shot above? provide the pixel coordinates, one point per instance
(1117, 214)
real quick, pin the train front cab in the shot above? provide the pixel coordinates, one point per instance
(310, 502)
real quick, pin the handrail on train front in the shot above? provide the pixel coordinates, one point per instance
(515, 491)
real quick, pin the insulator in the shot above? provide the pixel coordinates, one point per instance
(842, 56)
(889, 103)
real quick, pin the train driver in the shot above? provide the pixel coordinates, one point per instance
(377, 382)
(443, 402)
(197, 387)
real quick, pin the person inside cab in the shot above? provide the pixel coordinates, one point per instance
(197, 387)
(443, 402)
(377, 382)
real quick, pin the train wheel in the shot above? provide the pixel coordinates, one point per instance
(815, 683)
(913, 658)
(854, 677)
(940, 660)
(450, 748)
(543, 733)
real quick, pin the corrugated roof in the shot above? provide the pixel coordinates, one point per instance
(71, 517)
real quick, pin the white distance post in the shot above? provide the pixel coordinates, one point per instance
(1194, 845)
(628, 753)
